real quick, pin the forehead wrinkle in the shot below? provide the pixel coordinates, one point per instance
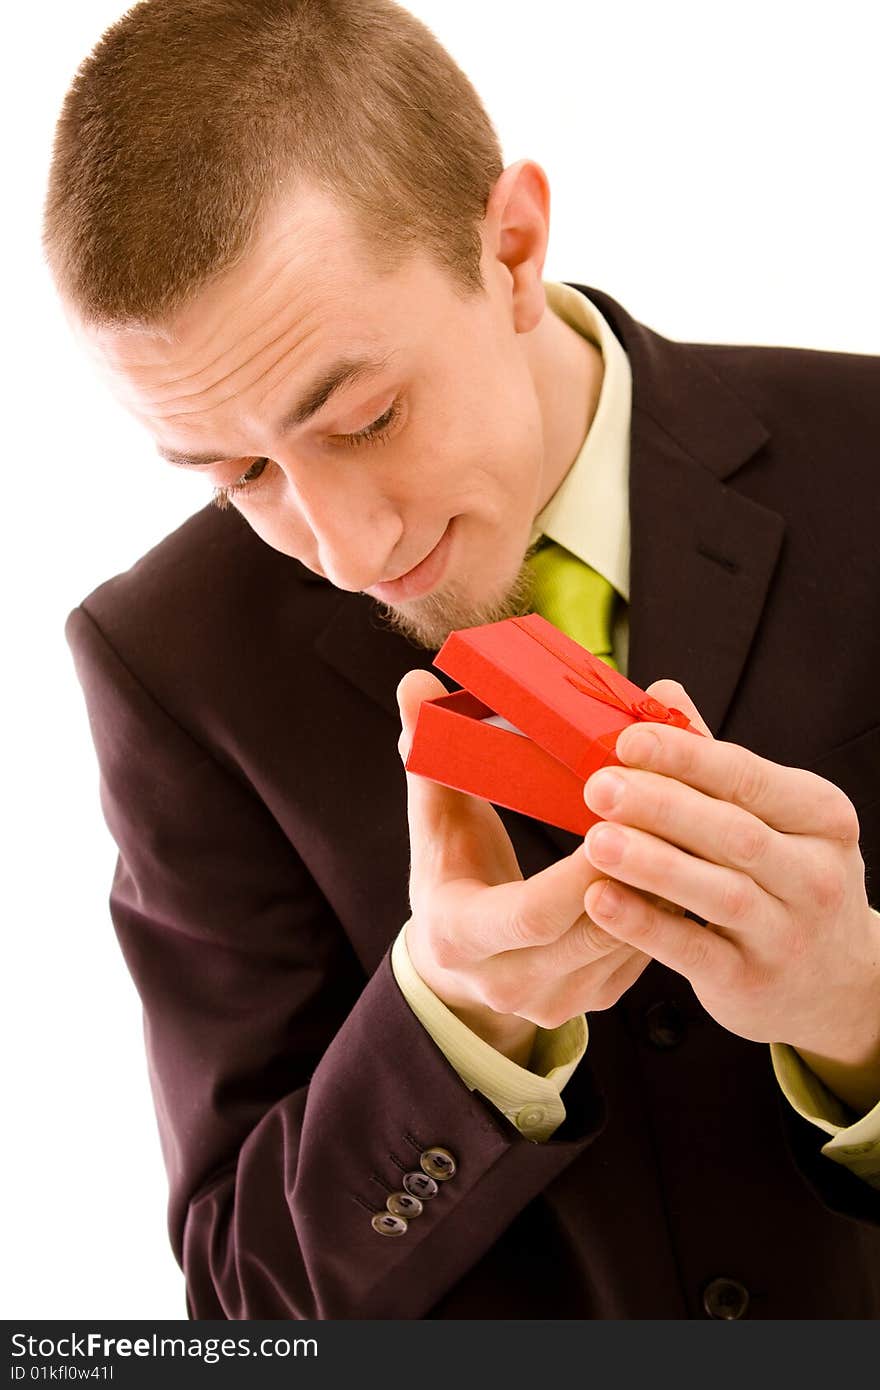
(287, 305)
(184, 414)
(363, 347)
(245, 294)
(251, 294)
(252, 301)
(206, 366)
(266, 347)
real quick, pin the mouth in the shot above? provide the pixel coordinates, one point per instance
(422, 578)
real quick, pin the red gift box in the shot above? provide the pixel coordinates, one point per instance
(538, 715)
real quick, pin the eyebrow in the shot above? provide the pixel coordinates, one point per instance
(340, 374)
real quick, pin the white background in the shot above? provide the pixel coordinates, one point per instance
(714, 169)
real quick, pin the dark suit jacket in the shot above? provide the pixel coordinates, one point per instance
(244, 716)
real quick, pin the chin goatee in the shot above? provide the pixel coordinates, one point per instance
(428, 621)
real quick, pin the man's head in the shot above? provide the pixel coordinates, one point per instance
(248, 194)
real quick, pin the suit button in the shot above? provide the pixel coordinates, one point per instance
(725, 1298)
(387, 1224)
(421, 1186)
(664, 1025)
(404, 1204)
(438, 1163)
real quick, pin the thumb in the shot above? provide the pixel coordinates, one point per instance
(415, 687)
(452, 834)
(426, 799)
(674, 696)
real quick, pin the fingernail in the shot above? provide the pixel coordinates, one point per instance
(603, 791)
(605, 842)
(638, 746)
(608, 901)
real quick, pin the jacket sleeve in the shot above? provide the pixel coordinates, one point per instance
(530, 1097)
(293, 1094)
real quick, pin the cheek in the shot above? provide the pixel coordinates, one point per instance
(499, 464)
(281, 527)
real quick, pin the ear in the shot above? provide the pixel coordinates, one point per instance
(517, 230)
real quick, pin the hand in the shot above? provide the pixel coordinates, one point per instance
(768, 855)
(504, 953)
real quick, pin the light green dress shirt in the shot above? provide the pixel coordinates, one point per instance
(588, 514)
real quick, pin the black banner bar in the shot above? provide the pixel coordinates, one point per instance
(539, 1354)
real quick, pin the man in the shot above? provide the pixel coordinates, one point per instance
(366, 1002)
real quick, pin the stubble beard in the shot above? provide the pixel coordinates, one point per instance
(428, 621)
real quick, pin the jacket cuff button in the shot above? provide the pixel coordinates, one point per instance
(421, 1186)
(405, 1205)
(438, 1163)
(387, 1224)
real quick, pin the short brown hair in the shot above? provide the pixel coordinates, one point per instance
(190, 117)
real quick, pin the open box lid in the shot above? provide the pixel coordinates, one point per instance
(549, 687)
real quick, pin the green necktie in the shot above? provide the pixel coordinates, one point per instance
(573, 597)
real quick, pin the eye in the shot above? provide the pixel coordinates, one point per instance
(373, 433)
(222, 495)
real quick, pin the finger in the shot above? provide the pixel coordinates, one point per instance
(789, 799)
(452, 835)
(713, 830)
(633, 964)
(725, 897)
(531, 913)
(696, 952)
(674, 696)
(415, 687)
(597, 986)
(572, 952)
(551, 997)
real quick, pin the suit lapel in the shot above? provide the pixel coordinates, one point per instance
(702, 560)
(702, 555)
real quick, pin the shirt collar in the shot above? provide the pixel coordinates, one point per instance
(589, 511)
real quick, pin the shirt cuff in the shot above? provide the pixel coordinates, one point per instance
(853, 1144)
(528, 1097)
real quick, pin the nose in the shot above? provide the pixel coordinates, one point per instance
(354, 526)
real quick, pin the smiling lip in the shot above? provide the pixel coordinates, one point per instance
(418, 581)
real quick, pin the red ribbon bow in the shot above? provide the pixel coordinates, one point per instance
(591, 683)
(647, 708)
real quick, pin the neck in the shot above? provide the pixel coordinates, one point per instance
(567, 370)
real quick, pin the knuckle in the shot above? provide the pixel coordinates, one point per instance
(826, 884)
(749, 779)
(663, 812)
(689, 752)
(445, 950)
(696, 954)
(550, 1015)
(745, 840)
(595, 938)
(502, 995)
(524, 929)
(605, 996)
(736, 899)
(843, 819)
